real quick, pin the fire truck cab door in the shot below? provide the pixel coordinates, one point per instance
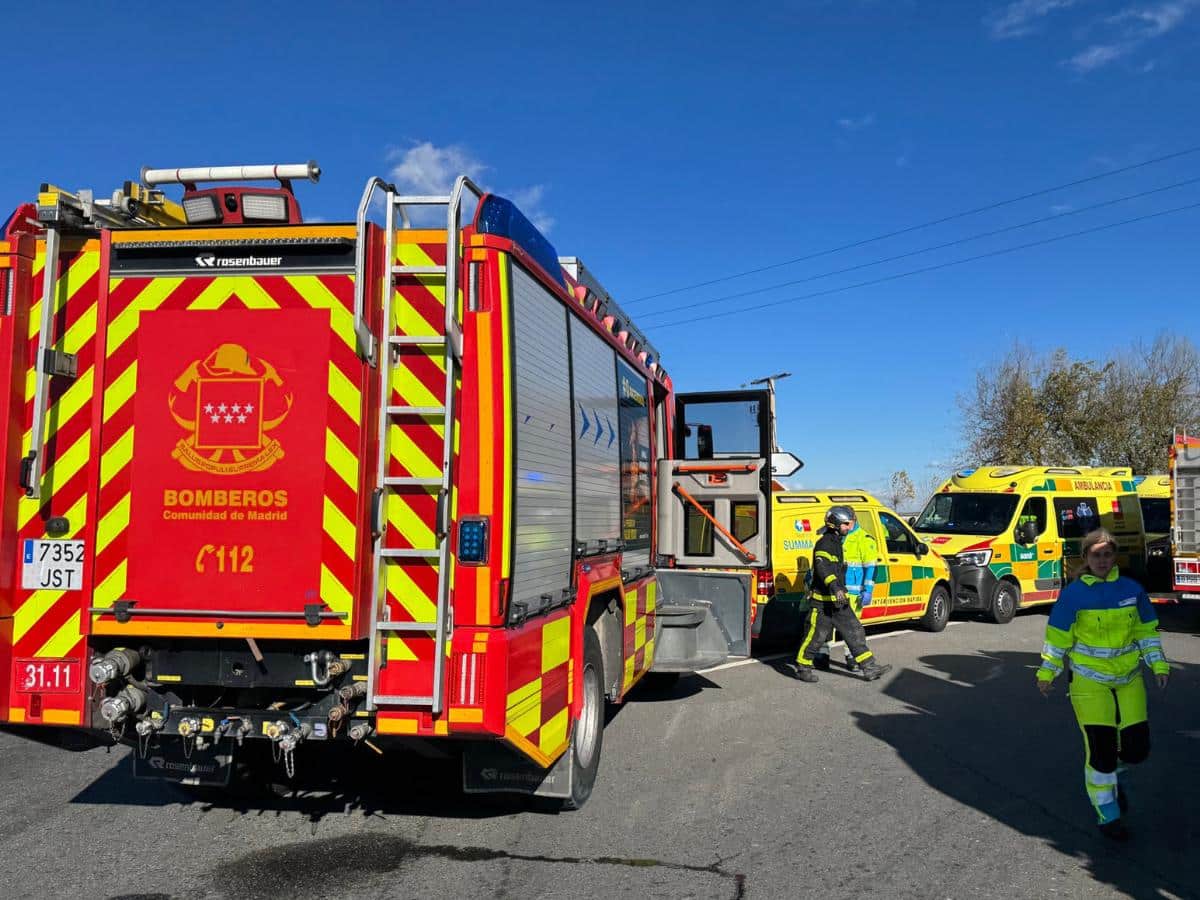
(714, 526)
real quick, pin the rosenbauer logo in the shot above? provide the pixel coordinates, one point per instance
(228, 402)
(212, 261)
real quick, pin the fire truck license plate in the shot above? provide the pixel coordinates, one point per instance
(52, 565)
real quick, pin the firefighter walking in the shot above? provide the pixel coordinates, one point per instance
(1103, 628)
(831, 603)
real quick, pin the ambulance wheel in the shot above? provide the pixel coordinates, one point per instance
(937, 614)
(588, 736)
(1004, 603)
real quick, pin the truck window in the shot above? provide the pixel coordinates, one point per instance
(698, 531)
(745, 520)
(967, 513)
(1076, 516)
(732, 429)
(633, 425)
(898, 538)
(1034, 510)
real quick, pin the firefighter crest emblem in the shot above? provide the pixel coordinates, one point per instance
(223, 402)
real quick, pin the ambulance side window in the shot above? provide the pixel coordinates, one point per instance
(1034, 511)
(1076, 516)
(898, 538)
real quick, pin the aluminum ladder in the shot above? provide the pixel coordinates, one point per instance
(384, 355)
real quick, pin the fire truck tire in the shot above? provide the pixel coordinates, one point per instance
(588, 736)
(1005, 601)
(937, 613)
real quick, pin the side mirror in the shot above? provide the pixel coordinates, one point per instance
(1027, 533)
(704, 441)
(922, 549)
(912, 521)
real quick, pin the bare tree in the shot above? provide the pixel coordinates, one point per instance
(1032, 409)
(900, 490)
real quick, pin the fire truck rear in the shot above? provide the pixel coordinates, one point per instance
(1184, 463)
(273, 485)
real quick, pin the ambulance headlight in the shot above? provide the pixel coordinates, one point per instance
(472, 542)
(978, 558)
(201, 209)
(267, 207)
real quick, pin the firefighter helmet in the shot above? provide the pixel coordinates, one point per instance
(839, 515)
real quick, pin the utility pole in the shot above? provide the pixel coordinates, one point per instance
(769, 381)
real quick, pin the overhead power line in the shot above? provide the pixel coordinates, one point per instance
(930, 249)
(946, 265)
(912, 228)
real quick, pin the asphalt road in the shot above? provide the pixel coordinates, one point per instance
(951, 778)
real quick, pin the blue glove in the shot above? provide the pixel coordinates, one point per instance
(865, 597)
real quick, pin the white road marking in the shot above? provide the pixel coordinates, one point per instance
(775, 656)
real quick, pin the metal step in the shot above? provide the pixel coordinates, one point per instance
(392, 700)
(438, 200)
(410, 340)
(405, 626)
(418, 270)
(408, 553)
(401, 480)
(416, 410)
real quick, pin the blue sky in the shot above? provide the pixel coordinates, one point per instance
(670, 144)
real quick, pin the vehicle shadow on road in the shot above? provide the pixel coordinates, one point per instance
(977, 730)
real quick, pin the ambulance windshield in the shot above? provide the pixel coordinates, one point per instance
(967, 513)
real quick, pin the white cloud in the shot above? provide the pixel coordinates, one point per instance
(1131, 29)
(1098, 55)
(851, 124)
(1021, 18)
(425, 168)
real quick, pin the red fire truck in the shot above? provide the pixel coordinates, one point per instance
(1184, 468)
(276, 486)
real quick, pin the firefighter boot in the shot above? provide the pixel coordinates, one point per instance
(872, 671)
(851, 665)
(804, 673)
(821, 661)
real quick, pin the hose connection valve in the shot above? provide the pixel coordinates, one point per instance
(120, 707)
(113, 665)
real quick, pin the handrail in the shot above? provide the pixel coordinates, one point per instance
(750, 557)
(714, 467)
(365, 338)
(32, 468)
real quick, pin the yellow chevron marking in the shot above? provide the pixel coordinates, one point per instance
(403, 449)
(553, 733)
(411, 254)
(64, 639)
(523, 693)
(412, 390)
(340, 459)
(59, 472)
(409, 321)
(630, 606)
(107, 592)
(556, 643)
(79, 334)
(117, 457)
(76, 397)
(344, 393)
(408, 523)
(38, 603)
(338, 527)
(525, 718)
(318, 296)
(119, 392)
(112, 524)
(334, 593)
(151, 297)
(223, 288)
(398, 650)
(405, 592)
(83, 268)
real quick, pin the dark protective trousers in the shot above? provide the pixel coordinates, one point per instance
(825, 616)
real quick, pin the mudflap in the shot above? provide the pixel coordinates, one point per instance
(495, 768)
(169, 761)
(702, 619)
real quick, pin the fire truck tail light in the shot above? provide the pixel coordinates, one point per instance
(266, 207)
(467, 689)
(473, 542)
(201, 209)
(766, 582)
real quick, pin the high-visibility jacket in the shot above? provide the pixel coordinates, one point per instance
(829, 566)
(860, 552)
(1103, 630)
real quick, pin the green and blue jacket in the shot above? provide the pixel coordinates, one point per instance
(860, 552)
(1103, 629)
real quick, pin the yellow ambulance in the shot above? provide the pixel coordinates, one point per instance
(911, 581)
(1011, 534)
(1154, 496)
